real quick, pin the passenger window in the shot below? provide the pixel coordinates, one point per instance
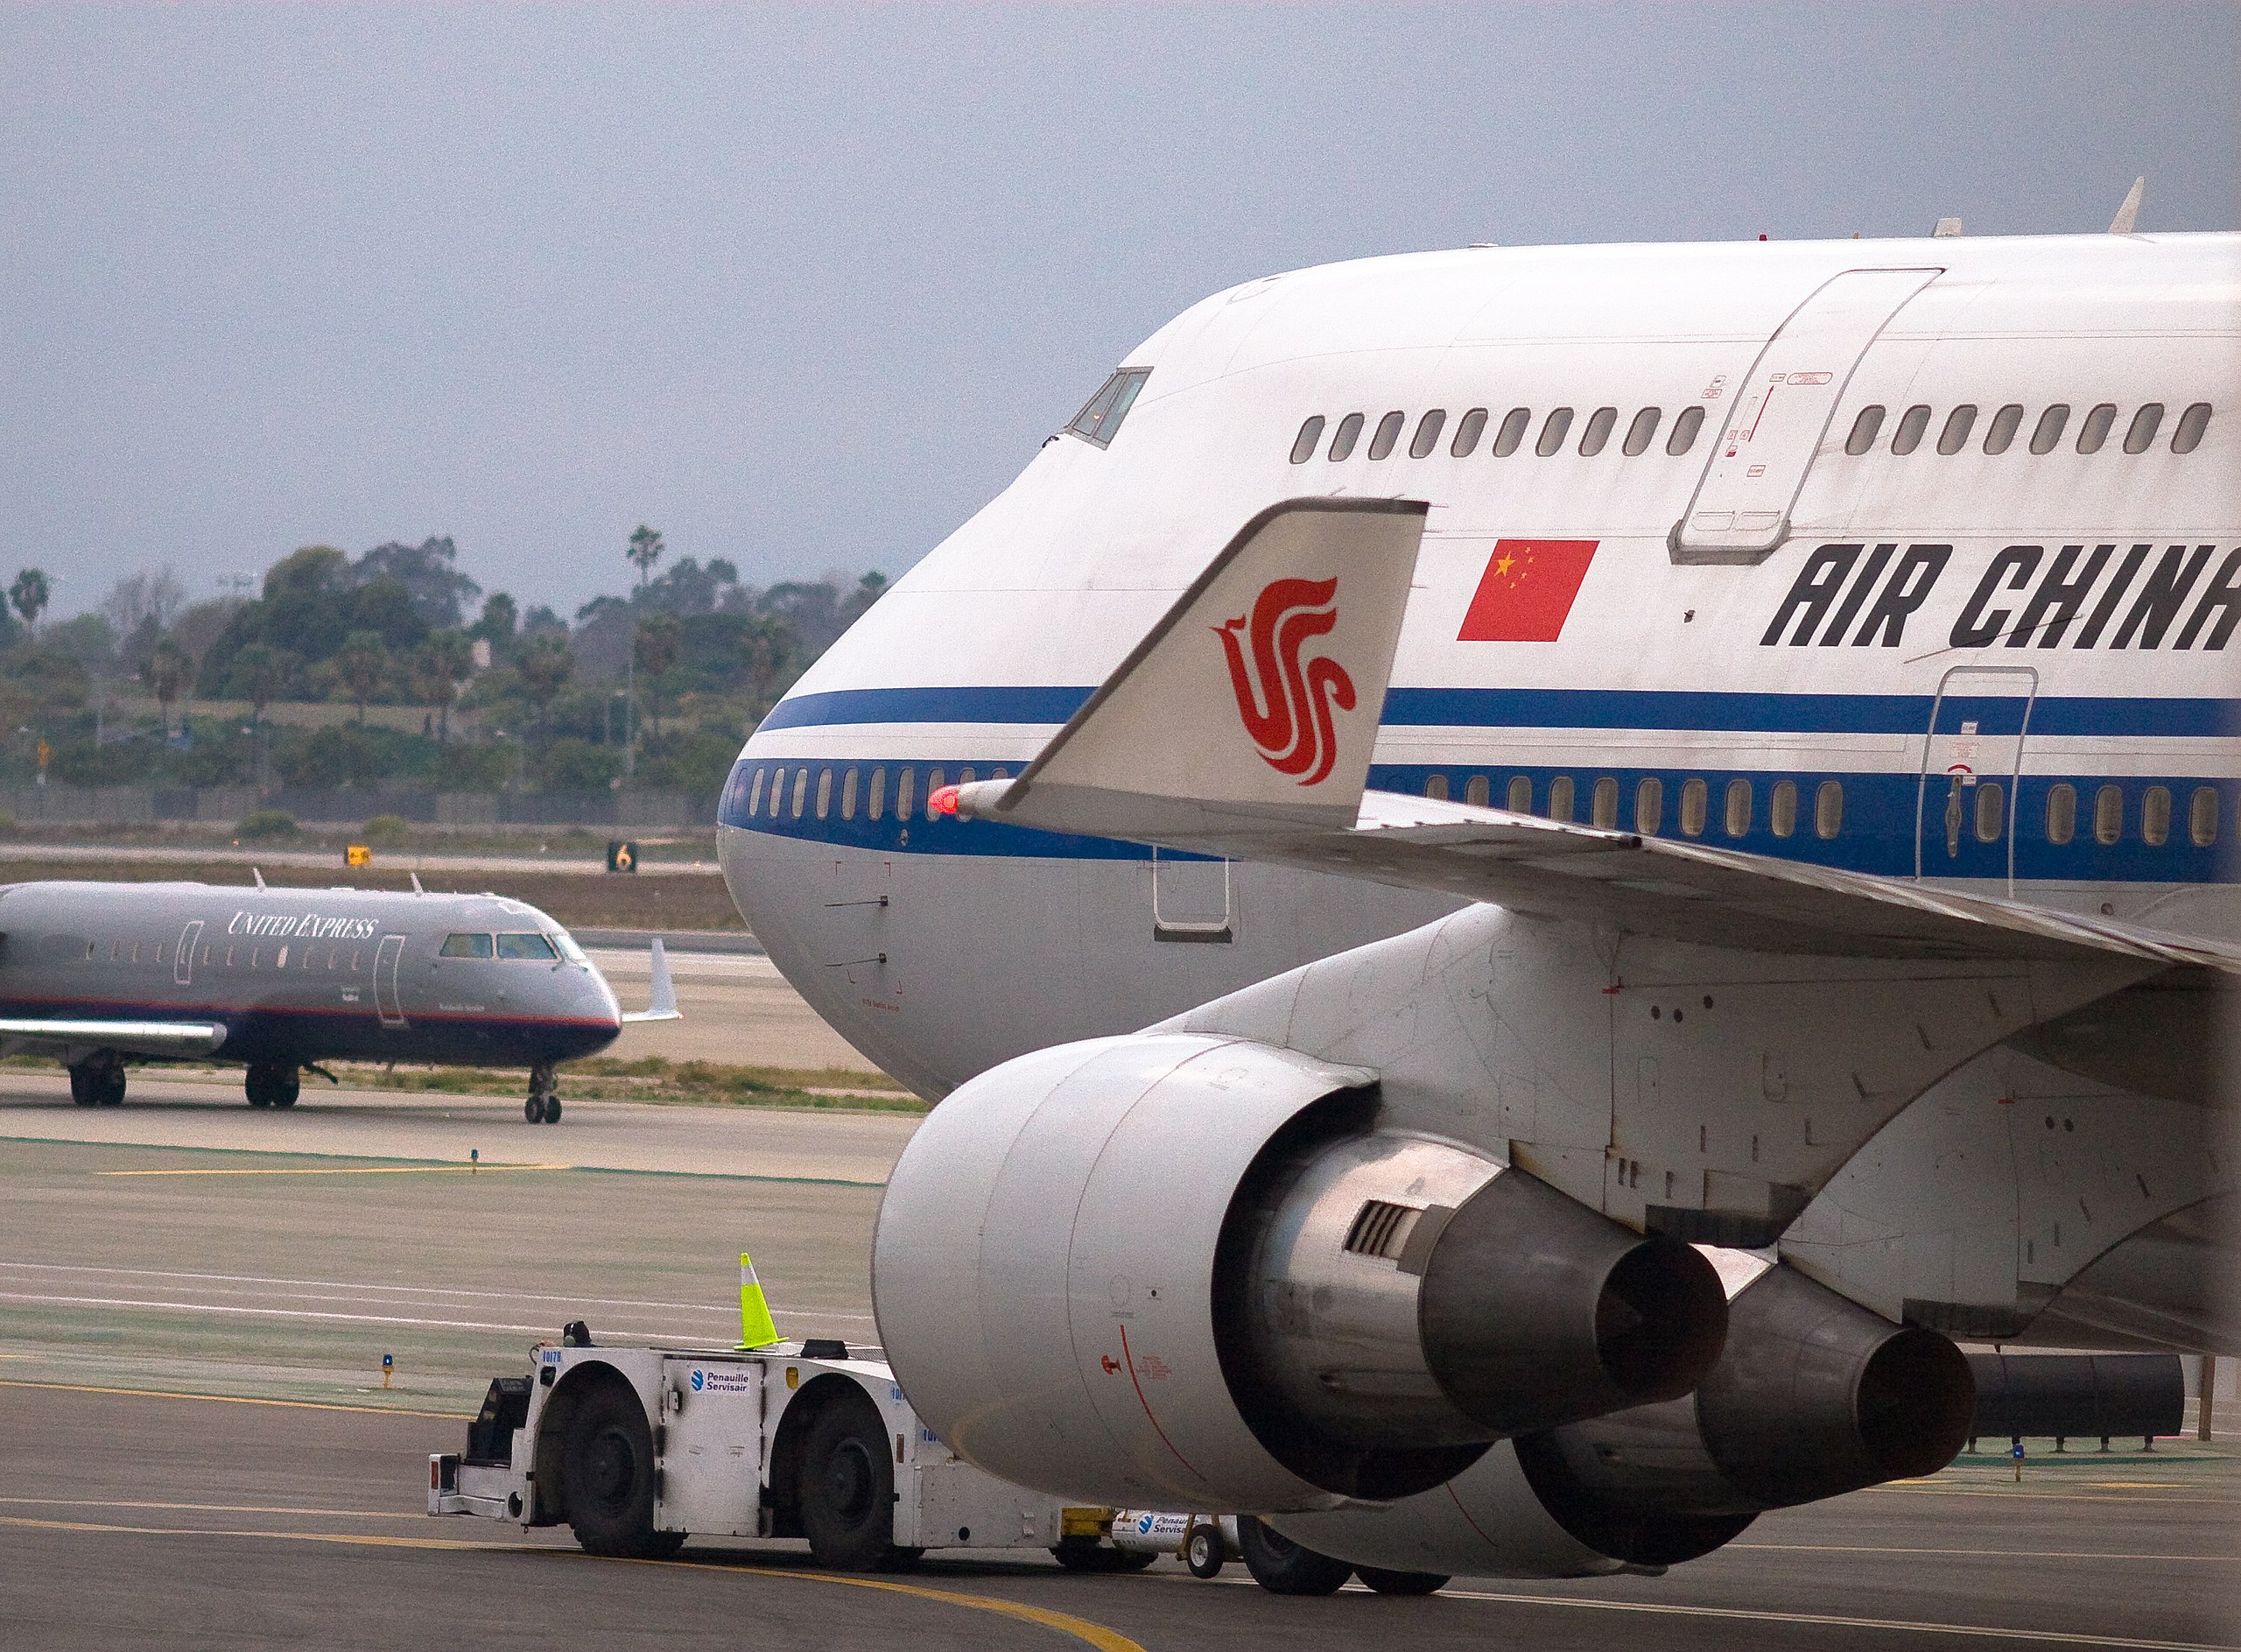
(1560, 797)
(1099, 421)
(464, 947)
(535, 947)
(1829, 809)
(1436, 786)
(848, 795)
(2139, 436)
(824, 792)
(1343, 440)
(903, 787)
(2192, 423)
(1992, 812)
(1427, 430)
(1520, 794)
(1311, 434)
(1641, 432)
(1865, 428)
(1781, 809)
(2155, 817)
(1686, 423)
(2201, 817)
(1912, 424)
(2061, 814)
(2095, 431)
(1388, 431)
(875, 795)
(1475, 791)
(2108, 814)
(1999, 435)
(1694, 800)
(965, 776)
(755, 795)
(933, 785)
(1738, 812)
(1513, 430)
(1468, 429)
(801, 790)
(778, 791)
(1554, 428)
(1605, 809)
(2048, 430)
(1959, 424)
(1596, 436)
(1649, 806)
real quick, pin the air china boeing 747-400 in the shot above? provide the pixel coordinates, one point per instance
(1533, 876)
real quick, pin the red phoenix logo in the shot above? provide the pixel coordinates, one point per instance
(1286, 706)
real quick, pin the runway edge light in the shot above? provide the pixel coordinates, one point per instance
(757, 1329)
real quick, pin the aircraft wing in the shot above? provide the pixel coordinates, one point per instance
(132, 1037)
(1241, 725)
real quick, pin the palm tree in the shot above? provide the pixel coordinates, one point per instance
(167, 670)
(363, 659)
(30, 593)
(544, 667)
(645, 549)
(446, 660)
(260, 672)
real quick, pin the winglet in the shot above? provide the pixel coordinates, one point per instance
(661, 992)
(2127, 216)
(1256, 698)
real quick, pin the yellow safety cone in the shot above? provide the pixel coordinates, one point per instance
(757, 1330)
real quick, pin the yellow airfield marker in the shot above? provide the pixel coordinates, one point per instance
(756, 1328)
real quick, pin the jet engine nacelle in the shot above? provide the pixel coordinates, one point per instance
(1189, 1271)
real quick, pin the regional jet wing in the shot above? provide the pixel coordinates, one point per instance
(131, 1037)
(1242, 725)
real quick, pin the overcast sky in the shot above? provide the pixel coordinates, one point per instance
(804, 286)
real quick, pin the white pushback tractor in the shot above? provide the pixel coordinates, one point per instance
(637, 1446)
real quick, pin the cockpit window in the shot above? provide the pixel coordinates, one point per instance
(526, 946)
(1098, 422)
(466, 947)
(569, 950)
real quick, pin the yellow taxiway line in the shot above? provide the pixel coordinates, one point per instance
(349, 1170)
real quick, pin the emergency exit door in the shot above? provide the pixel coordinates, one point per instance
(1740, 510)
(388, 1000)
(1971, 761)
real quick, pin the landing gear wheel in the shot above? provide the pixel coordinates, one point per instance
(553, 1109)
(112, 1086)
(533, 1109)
(270, 1085)
(1282, 1566)
(1205, 1552)
(1402, 1582)
(97, 1082)
(608, 1466)
(85, 1086)
(848, 1490)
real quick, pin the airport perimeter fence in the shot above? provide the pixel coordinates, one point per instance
(638, 810)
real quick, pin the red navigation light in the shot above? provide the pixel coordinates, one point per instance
(942, 800)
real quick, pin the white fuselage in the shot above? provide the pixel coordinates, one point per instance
(1964, 658)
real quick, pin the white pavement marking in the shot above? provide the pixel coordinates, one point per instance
(774, 1143)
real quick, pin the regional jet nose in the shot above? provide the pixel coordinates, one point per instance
(592, 998)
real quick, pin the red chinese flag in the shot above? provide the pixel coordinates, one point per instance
(1527, 590)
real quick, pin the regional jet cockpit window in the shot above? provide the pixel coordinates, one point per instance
(526, 946)
(466, 946)
(1101, 419)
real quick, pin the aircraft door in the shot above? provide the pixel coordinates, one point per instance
(1775, 424)
(1972, 759)
(389, 1003)
(1190, 899)
(183, 965)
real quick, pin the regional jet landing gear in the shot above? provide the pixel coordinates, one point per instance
(543, 1104)
(98, 1081)
(270, 1085)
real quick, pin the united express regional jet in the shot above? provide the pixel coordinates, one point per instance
(1531, 875)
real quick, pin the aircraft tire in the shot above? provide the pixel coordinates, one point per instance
(533, 1109)
(1205, 1552)
(553, 1109)
(84, 1091)
(112, 1086)
(268, 1084)
(1282, 1566)
(1402, 1582)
